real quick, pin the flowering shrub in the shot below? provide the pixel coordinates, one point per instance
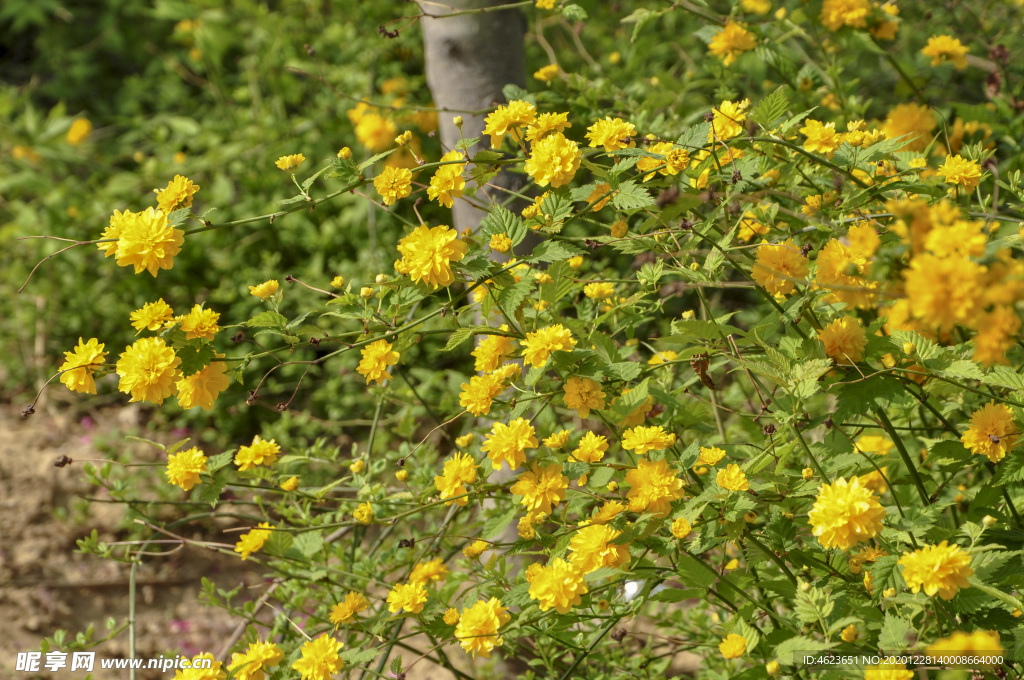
(745, 373)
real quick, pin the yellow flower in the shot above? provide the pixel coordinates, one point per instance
(944, 291)
(943, 48)
(393, 183)
(448, 183)
(844, 340)
(756, 6)
(259, 657)
(821, 137)
(779, 266)
(557, 440)
(144, 240)
(374, 361)
(681, 528)
(199, 670)
(653, 487)
(539, 344)
(731, 41)
(265, 289)
(507, 119)
(80, 364)
(546, 74)
(508, 443)
(475, 549)
(492, 350)
(320, 659)
(289, 163)
(732, 478)
(429, 571)
(78, 132)
(607, 512)
(199, 323)
(148, 369)
(202, 387)
(402, 475)
(478, 394)
(619, 229)
(980, 643)
(152, 316)
(611, 133)
(643, 440)
(838, 13)
(260, 452)
(477, 631)
(807, 474)
(345, 610)
(427, 254)
(553, 161)
(357, 466)
(910, 119)
(733, 646)
(772, 668)
(728, 120)
(941, 569)
(710, 456)
(253, 541)
(545, 124)
(290, 484)
(661, 357)
(500, 243)
(542, 488)
(363, 513)
(177, 194)
(993, 432)
(557, 586)
(599, 290)
(845, 513)
(459, 471)
(545, 4)
(593, 547)
(868, 554)
(849, 633)
(583, 394)
(959, 170)
(184, 468)
(575, 262)
(465, 440)
(590, 449)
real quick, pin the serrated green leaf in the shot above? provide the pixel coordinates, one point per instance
(267, 319)
(553, 251)
(512, 297)
(194, 359)
(309, 543)
(458, 337)
(792, 651)
(770, 108)
(1004, 376)
(631, 196)
(893, 636)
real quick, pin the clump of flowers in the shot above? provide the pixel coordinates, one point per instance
(557, 586)
(428, 253)
(993, 432)
(81, 364)
(940, 569)
(845, 513)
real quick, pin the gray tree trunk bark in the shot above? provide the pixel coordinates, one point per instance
(470, 58)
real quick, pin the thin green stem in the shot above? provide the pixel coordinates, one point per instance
(887, 425)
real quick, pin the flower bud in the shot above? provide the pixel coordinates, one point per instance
(772, 668)
(366, 292)
(909, 348)
(402, 475)
(345, 153)
(988, 521)
(381, 278)
(357, 466)
(457, 121)
(807, 474)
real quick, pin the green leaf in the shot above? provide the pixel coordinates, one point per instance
(267, 319)
(501, 220)
(676, 595)
(221, 460)
(208, 493)
(498, 523)
(893, 636)
(623, 370)
(553, 251)
(512, 297)
(309, 543)
(631, 400)
(696, 137)
(631, 196)
(195, 359)
(692, 573)
(794, 121)
(770, 108)
(962, 368)
(312, 178)
(457, 338)
(1004, 376)
(373, 159)
(813, 604)
(359, 656)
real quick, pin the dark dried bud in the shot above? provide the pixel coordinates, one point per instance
(289, 278)
(238, 338)
(314, 341)
(407, 543)
(401, 462)
(591, 243)
(386, 33)
(768, 430)
(999, 53)
(736, 176)
(685, 224)
(829, 423)
(618, 634)
(310, 50)
(28, 411)
(62, 461)
(709, 116)
(281, 407)
(805, 249)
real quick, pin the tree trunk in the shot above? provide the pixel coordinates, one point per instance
(470, 58)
